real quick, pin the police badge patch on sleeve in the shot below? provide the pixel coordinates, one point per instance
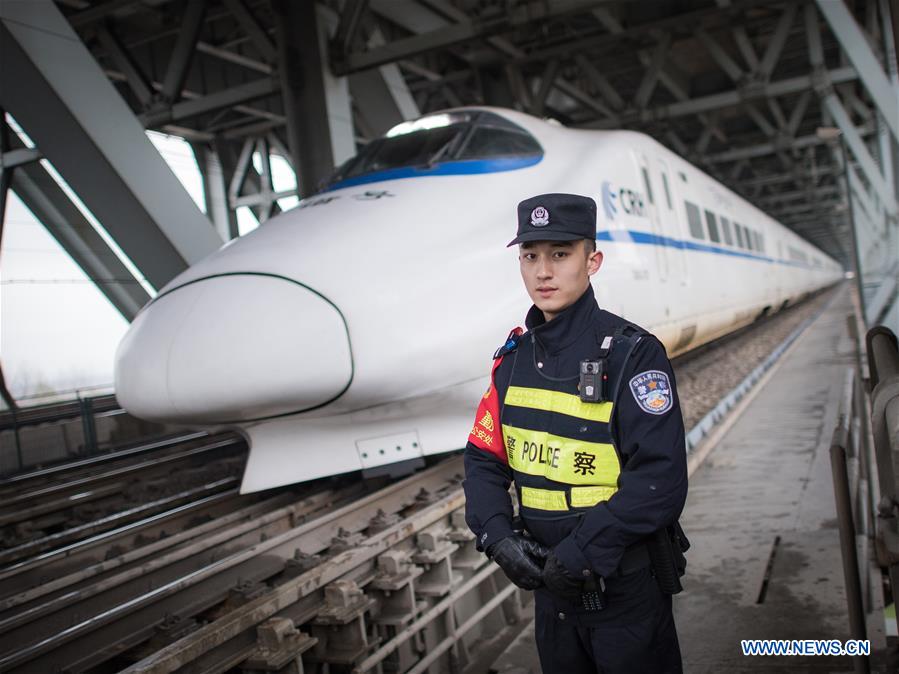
(652, 391)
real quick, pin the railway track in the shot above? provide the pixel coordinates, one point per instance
(49, 508)
(331, 575)
(72, 470)
(266, 567)
(707, 374)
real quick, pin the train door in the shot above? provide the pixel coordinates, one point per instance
(655, 223)
(671, 225)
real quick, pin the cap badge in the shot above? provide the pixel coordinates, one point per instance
(539, 217)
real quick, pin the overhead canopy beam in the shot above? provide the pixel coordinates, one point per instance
(52, 207)
(727, 99)
(248, 22)
(828, 191)
(345, 36)
(384, 98)
(99, 11)
(762, 149)
(605, 88)
(136, 79)
(776, 44)
(215, 190)
(183, 51)
(674, 82)
(834, 107)
(226, 98)
(211, 105)
(19, 157)
(303, 92)
(860, 151)
(782, 177)
(719, 55)
(55, 90)
(884, 94)
(457, 33)
(424, 21)
(653, 70)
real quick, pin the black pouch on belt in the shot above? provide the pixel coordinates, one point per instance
(666, 550)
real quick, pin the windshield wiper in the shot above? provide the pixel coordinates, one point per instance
(443, 150)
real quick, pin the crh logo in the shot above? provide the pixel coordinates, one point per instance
(608, 200)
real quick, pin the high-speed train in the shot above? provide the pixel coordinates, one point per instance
(356, 330)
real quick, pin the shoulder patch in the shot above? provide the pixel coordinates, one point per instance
(652, 391)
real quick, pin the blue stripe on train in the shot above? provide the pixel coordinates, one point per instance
(646, 238)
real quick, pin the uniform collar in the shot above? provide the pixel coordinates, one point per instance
(567, 326)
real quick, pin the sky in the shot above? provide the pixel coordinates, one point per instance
(58, 332)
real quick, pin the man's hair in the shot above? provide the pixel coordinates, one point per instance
(589, 244)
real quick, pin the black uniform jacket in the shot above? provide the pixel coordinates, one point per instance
(652, 484)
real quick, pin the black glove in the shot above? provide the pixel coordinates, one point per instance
(521, 559)
(560, 581)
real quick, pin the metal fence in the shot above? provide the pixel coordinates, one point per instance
(864, 454)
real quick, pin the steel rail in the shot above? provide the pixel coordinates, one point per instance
(63, 610)
(117, 519)
(446, 604)
(86, 644)
(51, 512)
(232, 638)
(85, 485)
(37, 570)
(464, 628)
(16, 482)
(83, 568)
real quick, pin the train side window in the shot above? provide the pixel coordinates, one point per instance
(761, 242)
(648, 186)
(695, 220)
(749, 242)
(725, 227)
(712, 222)
(739, 229)
(755, 240)
(667, 192)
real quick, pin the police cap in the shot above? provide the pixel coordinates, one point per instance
(556, 217)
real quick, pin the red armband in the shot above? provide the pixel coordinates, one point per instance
(487, 434)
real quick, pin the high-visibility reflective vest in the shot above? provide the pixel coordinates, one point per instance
(561, 449)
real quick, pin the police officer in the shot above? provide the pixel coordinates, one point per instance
(582, 414)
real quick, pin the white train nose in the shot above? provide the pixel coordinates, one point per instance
(235, 347)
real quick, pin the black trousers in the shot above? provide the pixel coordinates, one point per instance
(642, 642)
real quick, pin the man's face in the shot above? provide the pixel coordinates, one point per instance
(556, 273)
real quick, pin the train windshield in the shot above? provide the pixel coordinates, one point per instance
(437, 139)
